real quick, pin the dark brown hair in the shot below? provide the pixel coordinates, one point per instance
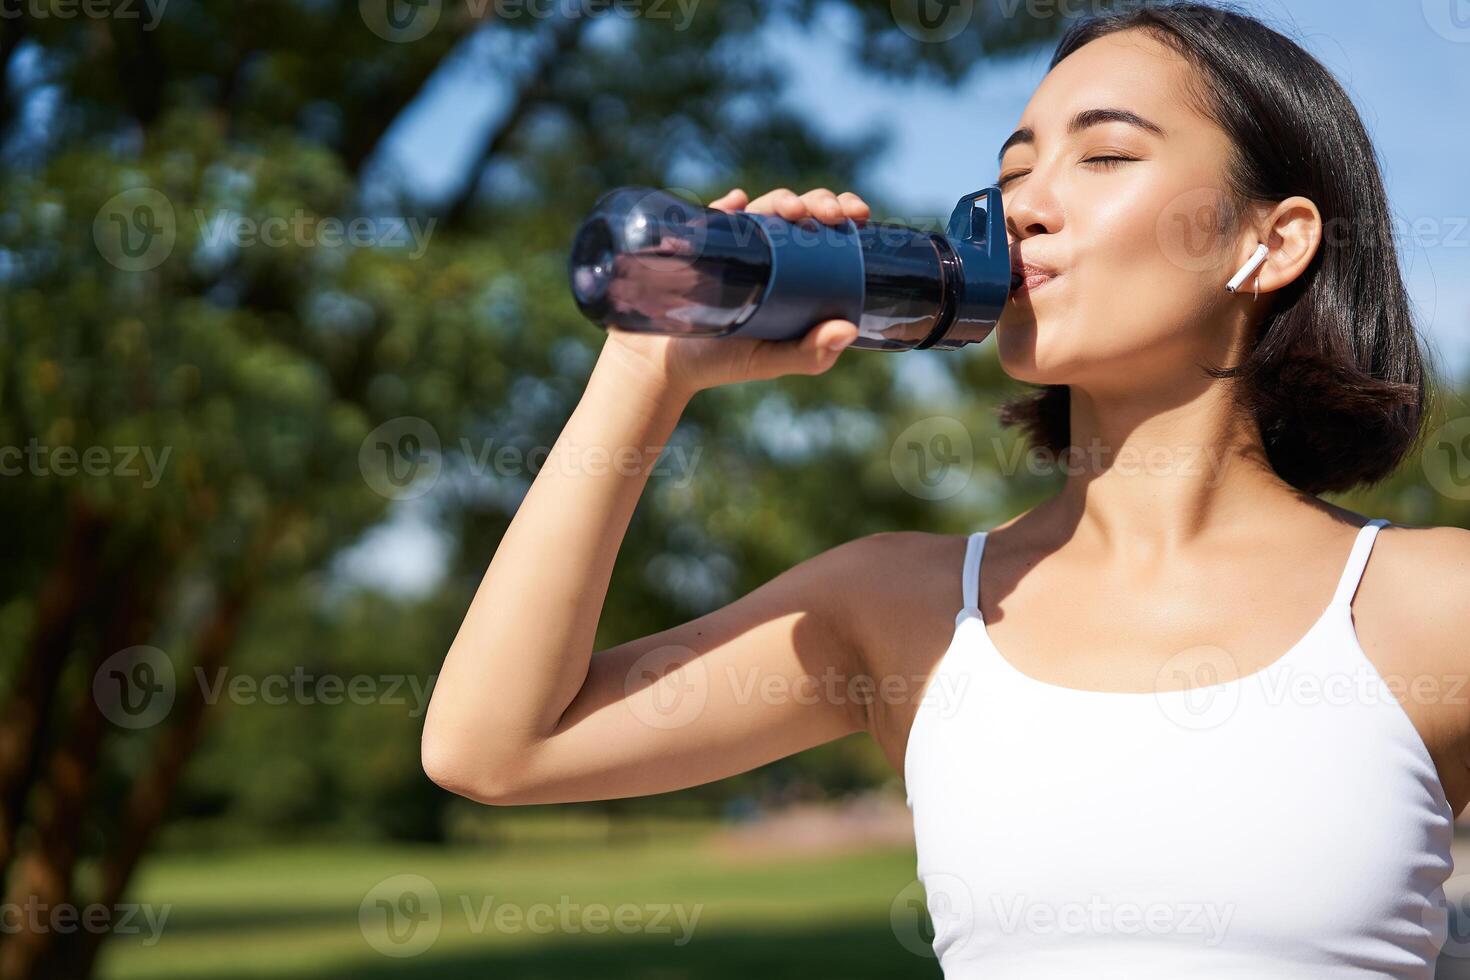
(1335, 377)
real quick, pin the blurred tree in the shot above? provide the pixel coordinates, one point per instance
(200, 419)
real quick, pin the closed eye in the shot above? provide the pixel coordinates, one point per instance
(1102, 161)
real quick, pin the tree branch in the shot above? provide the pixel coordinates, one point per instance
(68, 589)
(44, 874)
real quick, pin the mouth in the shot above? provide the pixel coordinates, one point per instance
(1026, 278)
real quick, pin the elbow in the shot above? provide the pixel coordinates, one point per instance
(449, 768)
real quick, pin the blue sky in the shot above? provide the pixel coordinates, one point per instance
(1406, 63)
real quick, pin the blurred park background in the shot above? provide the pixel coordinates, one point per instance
(284, 331)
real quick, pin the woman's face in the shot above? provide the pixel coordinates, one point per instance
(1136, 243)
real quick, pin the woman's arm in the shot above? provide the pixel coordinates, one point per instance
(523, 711)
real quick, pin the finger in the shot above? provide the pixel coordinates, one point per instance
(762, 203)
(732, 200)
(813, 353)
(791, 207)
(832, 335)
(823, 204)
(853, 206)
(782, 201)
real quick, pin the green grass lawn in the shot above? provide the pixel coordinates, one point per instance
(660, 908)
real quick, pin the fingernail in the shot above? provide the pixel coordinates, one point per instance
(840, 343)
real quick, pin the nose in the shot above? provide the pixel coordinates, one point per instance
(1031, 210)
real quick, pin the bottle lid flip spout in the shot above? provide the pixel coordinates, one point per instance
(977, 232)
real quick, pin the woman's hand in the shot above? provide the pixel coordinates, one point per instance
(689, 364)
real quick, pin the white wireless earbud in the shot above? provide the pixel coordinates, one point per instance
(1251, 266)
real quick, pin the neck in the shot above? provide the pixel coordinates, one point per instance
(1163, 467)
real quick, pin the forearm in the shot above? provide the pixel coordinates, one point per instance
(524, 647)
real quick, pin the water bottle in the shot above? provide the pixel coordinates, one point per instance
(646, 260)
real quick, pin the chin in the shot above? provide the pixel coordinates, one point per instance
(1023, 358)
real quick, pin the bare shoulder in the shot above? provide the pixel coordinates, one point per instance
(1415, 596)
(906, 564)
(1418, 563)
(900, 592)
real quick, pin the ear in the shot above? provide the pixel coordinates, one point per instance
(1292, 230)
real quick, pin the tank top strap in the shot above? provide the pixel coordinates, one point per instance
(1357, 561)
(971, 576)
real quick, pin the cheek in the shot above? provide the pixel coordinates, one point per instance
(1191, 234)
(1147, 233)
(1150, 263)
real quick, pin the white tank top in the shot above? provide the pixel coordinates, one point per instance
(1288, 823)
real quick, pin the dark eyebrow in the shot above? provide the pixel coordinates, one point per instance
(1081, 121)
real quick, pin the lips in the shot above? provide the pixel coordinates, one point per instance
(1026, 276)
